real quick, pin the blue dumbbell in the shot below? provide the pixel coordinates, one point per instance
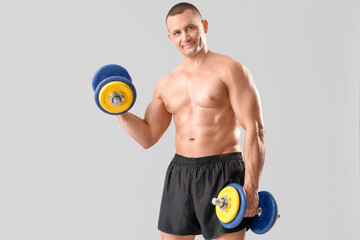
(114, 92)
(231, 206)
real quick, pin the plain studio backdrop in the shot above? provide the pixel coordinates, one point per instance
(69, 171)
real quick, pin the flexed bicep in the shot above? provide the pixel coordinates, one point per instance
(147, 131)
(158, 119)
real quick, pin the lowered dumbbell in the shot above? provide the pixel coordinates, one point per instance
(114, 92)
(230, 207)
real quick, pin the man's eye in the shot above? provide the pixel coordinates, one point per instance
(190, 27)
(176, 33)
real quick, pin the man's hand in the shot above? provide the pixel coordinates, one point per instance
(252, 197)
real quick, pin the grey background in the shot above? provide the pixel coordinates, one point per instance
(68, 171)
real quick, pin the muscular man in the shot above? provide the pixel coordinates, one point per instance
(210, 96)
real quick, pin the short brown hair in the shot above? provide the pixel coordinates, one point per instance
(180, 8)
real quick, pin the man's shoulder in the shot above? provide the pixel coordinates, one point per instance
(162, 83)
(227, 63)
(165, 79)
(231, 69)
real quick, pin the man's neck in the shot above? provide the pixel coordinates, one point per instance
(197, 59)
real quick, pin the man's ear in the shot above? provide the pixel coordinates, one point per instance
(169, 36)
(205, 25)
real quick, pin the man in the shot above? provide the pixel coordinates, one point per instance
(210, 96)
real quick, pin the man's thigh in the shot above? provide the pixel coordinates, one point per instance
(166, 236)
(233, 236)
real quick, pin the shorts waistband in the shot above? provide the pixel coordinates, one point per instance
(207, 160)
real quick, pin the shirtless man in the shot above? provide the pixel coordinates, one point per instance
(210, 96)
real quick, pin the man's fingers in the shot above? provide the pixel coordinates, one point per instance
(250, 212)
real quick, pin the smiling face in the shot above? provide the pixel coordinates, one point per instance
(187, 31)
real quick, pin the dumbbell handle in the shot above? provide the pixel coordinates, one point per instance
(221, 203)
(218, 202)
(116, 99)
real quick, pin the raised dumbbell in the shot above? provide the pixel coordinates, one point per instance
(114, 92)
(230, 207)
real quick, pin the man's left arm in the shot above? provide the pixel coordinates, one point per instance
(245, 101)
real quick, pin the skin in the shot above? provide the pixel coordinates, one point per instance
(210, 97)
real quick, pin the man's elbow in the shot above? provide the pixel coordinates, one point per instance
(257, 130)
(147, 144)
(261, 133)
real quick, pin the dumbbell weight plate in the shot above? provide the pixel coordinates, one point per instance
(109, 71)
(263, 223)
(233, 201)
(112, 85)
(242, 207)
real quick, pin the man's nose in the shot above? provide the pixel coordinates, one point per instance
(186, 36)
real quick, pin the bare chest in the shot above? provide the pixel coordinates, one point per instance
(194, 90)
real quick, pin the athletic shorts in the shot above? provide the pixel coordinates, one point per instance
(190, 185)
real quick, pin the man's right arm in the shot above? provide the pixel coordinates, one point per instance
(157, 119)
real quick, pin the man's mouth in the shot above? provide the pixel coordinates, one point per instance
(189, 45)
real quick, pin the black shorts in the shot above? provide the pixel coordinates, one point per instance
(190, 185)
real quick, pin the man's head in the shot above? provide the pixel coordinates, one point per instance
(186, 28)
(180, 8)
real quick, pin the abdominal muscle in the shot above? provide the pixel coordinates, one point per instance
(203, 132)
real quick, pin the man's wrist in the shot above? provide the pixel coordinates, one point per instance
(250, 185)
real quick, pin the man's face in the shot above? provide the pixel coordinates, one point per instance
(187, 32)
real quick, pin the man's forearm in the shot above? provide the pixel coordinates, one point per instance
(137, 128)
(254, 154)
